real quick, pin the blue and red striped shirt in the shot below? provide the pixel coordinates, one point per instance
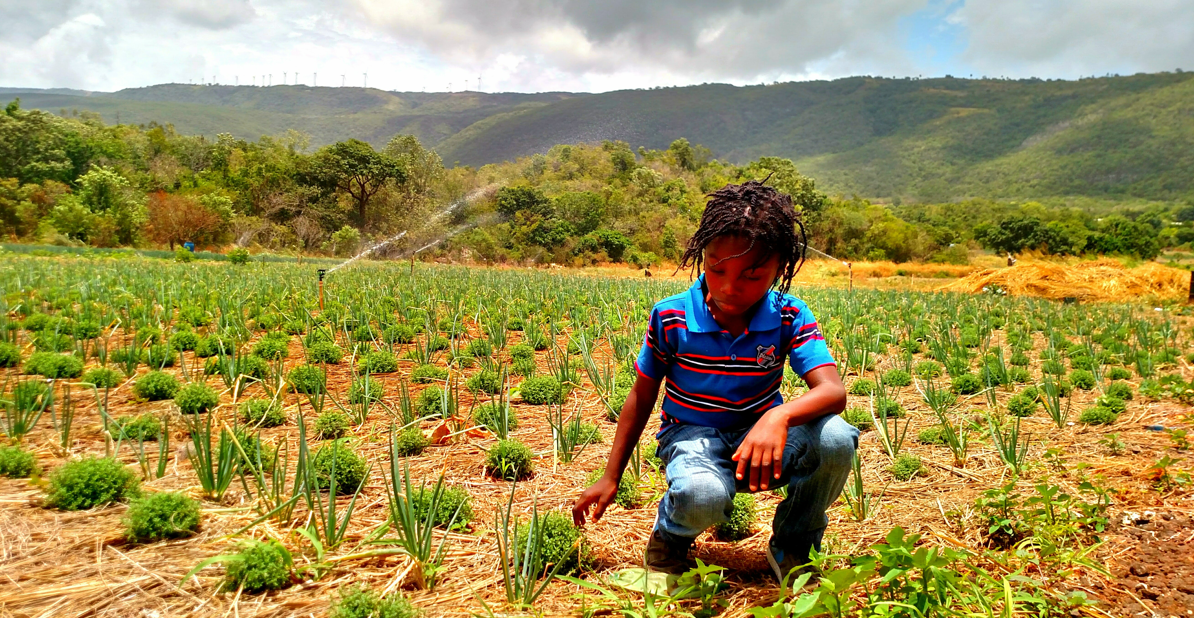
(715, 379)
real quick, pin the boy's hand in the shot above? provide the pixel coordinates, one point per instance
(599, 495)
(761, 454)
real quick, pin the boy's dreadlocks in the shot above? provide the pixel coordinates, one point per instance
(757, 212)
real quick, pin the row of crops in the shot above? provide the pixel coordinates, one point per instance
(329, 423)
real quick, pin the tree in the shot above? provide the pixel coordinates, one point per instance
(356, 168)
(513, 200)
(176, 219)
(33, 146)
(107, 194)
(687, 156)
(585, 210)
(1012, 234)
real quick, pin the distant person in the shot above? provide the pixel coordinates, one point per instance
(1011, 260)
(725, 428)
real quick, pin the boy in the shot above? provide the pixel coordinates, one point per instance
(725, 428)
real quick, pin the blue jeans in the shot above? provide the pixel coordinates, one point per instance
(701, 483)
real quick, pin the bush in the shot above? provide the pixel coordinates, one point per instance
(905, 467)
(183, 255)
(486, 381)
(1097, 415)
(350, 468)
(238, 256)
(488, 415)
(324, 352)
(1118, 373)
(156, 386)
(560, 543)
(184, 340)
(897, 377)
(1115, 404)
(584, 433)
(426, 374)
(251, 366)
(1082, 379)
(1021, 406)
(479, 347)
(522, 352)
(212, 345)
(1085, 363)
(307, 379)
(438, 343)
(967, 384)
(273, 346)
(331, 424)
(91, 482)
(365, 389)
(510, 460)
(1019, 359)
(451, 499)
(1053, 367)
(52, 365)
(929, 369)
(102, 377)
(862, 386)
(411, 442)
(262, 413)
(400, 333)
(196, 398)
(145, 427)
(932, 435)
(258, 567)
(541, 390)
(359, 602)
(16, 463)
(859, 418)
(161, 355)
(742, 519)
(430, 402)
(1119, 390)
(524, 368)
(1019, 375)
(378, 362)
(10, 355)
(160, 516)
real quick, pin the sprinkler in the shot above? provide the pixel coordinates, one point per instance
(322, 272)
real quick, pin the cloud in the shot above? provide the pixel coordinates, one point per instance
(210, 14)
(1061, 38)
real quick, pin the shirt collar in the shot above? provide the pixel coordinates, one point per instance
(699, 319)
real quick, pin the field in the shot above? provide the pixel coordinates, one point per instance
(1028, 506)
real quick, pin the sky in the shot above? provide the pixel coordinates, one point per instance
(575, 45)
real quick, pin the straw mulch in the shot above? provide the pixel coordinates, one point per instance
(1100, 280)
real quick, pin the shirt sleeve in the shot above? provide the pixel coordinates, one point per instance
(808, 350)
(657, 353)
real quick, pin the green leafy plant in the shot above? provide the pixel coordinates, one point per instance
(379, 361)
(742, 519)
(324, 352)
(411, 442)
(414, 516)
(137, 428)
(365, 389)
(156, 386)
(91, 482)
(905, 467)
(258, 567)
(510, 460)
(307, 379)
(426, 374)
(1097, 415)
(543, 390)
(101, 377)
(360, 602)
(339, 469)
(262, 413)
(159, 516)
(454, 502)
(196, 398)
(16, 463)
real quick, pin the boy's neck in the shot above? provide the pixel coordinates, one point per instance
(735, 324)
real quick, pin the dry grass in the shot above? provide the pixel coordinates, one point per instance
(1101, 280)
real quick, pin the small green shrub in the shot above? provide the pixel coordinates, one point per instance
(524, 368)
(359, 602)
(929, 369)
(1115, 404)
(156, 386)
(488, 415)
(1019, 359)
(430, 402)
(161, 355)
(90, 482)
(136, 428)
(262, 413)
(1082, 379)
(1097, 415)
(897, 377)
(437, 344)
(862, 386)
(400, 333)
(510, 460)
(365, 389)
(932, 435)
(324, 352)
(159, 516)
(196, 398)
(1053, 367)
(16, 463)
(52, 365)
(486, 381)
(273, 346)
(213, 345)
(411, 442)
(541, 390)
(307, 379)
(1084, 363)
(184, 340)
(350, 468)
(859, 418)
(379, 361)
(450, 500)
(238, 256)
(479, 348)
(10, 355)
(584, 433)
(905, 467)
(102, 377)
(183, 255)
(522, 352)
(1019, 375)
(260, 566)
(967, 384)
(742, 519)
(1119, 390)
(426, 374)
(562, 543)
(1119, 373)
(330, 425)
(1021, 406)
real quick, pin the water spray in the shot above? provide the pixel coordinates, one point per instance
(322, 272)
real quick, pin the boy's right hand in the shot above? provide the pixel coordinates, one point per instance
(598, 495)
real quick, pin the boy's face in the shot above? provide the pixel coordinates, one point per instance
(734, 276)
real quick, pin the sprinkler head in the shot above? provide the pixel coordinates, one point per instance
(322, 272)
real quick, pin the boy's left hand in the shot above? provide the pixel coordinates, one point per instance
(761, 454)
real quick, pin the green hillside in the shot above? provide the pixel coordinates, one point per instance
(920, 140)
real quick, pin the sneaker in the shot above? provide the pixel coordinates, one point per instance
(782, 562)
(664, 556)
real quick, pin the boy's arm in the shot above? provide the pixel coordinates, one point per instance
(635, 414)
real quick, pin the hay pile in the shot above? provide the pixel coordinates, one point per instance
(1101, 280)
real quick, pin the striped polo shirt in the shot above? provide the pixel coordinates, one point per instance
(715, 379)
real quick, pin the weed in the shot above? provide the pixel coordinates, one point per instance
(510, 460)
(156, 386)
(160, 516)
(16, 463)
(196, 398)
(742, 519)
(91, 482)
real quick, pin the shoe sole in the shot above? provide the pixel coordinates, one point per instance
(779, 576)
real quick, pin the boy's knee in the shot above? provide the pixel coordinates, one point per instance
(701, 501)
(838, 442)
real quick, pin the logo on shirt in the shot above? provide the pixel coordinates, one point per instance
(766, 356)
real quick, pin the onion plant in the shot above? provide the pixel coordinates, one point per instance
(413, 526)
